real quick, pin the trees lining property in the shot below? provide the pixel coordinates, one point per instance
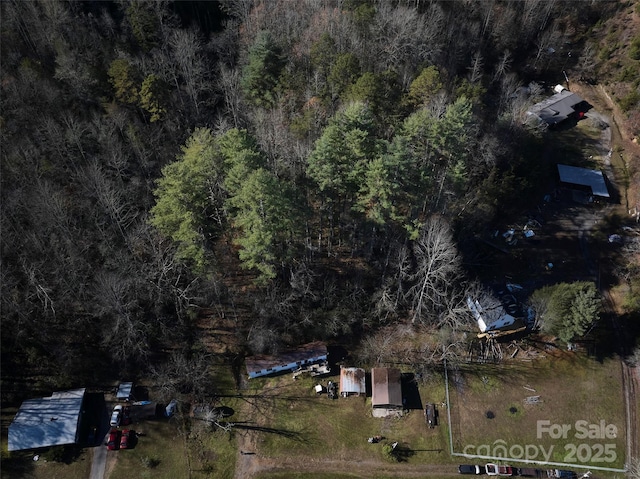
(337, 152)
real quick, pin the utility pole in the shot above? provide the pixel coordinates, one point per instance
(566, 78)
(564, 71)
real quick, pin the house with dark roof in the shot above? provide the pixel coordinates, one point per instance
(48, 421)
(352, 382)
(386, 392)
(559, 107)
(302, 357)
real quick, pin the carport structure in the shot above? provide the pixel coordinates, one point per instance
(586, 178)
(352, 382)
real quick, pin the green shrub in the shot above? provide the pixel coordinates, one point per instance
(634, 51)
(150, 462)
(630, 101)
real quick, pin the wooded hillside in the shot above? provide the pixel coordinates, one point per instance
(315, 167)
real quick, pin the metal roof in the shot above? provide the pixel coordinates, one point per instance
(386, 389)
(45, 422)
(557, 107)
(124, 391)
(585, 177)
(308, 352)
(352, 381)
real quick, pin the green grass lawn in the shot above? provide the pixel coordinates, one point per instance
(303, 423)
(290, 421)
(570, 390)
(20, 465)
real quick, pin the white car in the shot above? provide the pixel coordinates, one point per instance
(116, 416)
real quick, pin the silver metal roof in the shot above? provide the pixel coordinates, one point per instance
(49, 421)
(352, 381)
(584, 177)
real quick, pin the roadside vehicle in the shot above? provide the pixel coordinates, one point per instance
(114, 440)
(124, 440)
(529, 472)
(430, 415)
(116, 416)
(470, 469)
(498, 470)
(561, 473)
(126, 415)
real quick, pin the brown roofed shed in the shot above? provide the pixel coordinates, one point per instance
(386, 390)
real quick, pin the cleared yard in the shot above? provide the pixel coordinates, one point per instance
(163, 452)
(489, 410)
(303, 423)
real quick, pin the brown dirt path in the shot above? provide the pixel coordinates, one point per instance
(257, 464)
(617, 167)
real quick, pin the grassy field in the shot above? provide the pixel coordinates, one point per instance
(488, 410)
(303, 423)
(290, 423)
(20, 465)
(165, 451)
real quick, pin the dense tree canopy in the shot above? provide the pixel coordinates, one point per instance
(302, 167)
(567, 310)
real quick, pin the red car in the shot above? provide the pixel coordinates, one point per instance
(114, 440)
(124, 440)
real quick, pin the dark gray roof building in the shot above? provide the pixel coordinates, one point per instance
(557, 108)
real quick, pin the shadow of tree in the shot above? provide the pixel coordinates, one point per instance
(295, 435)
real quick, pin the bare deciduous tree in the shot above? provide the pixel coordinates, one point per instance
(437, 271)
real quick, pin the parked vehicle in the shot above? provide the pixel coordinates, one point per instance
(114, 440)
(431, 415)
(171, 408)
(470, 469)
(116, 416)
(126, 415)
(529, 472)
(124, 440)
(332, 390)
(561, 474)
(498, 470)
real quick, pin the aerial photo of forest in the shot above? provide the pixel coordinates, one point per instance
(185, 184)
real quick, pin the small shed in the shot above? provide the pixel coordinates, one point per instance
(48, 421)
(305, 355)
(124, 391)
(386, 392)
(352, 382)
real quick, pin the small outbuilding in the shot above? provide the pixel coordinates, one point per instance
(303, 356)
(352, 382)
(591, 180)
(48, 421)
(386, 392)
(124, 391)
